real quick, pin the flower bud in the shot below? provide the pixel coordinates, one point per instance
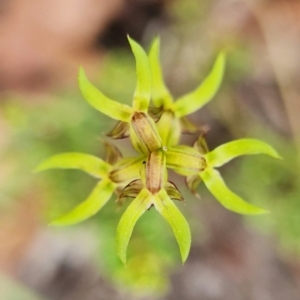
(146, 132)
(185, 160)
(155, 171)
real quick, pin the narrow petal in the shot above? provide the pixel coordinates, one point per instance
(142, 92)
(215, 184)
(204, 93)
(166, 207)
(102, 103)
(224, 153)
(95, 201)
(125, 227)
(72, 160)
(160, 93)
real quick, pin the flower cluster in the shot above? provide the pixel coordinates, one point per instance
(155, 132)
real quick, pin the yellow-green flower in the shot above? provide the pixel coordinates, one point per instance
(111, 177)
(153, 190)
(144, 177)
(198, 165)
(172, 120)
(133, 121)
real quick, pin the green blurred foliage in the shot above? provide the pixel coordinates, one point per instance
(12, 290)
(276, 186)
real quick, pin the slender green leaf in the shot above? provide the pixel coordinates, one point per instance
(160, 93)
(166, 207)
(142, 92)
(125, 227)
(102, 103)
(95, 201)
(204, 93)
(215, 184)
(72, 160)
(231, 150)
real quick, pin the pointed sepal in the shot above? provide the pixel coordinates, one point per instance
(128, 220)
(95, 201)
(160, 93)
(73, 160)
(204, 93)
(215, 184)
(166, 207)
(99, 101)
(142, 92)
(224, 153)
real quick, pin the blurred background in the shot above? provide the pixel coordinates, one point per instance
(42, 44)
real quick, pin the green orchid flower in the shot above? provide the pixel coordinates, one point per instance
(111, 178)
(133, 121)
(155, 132)
(172, 119)
(153, 190)
(199, 164)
